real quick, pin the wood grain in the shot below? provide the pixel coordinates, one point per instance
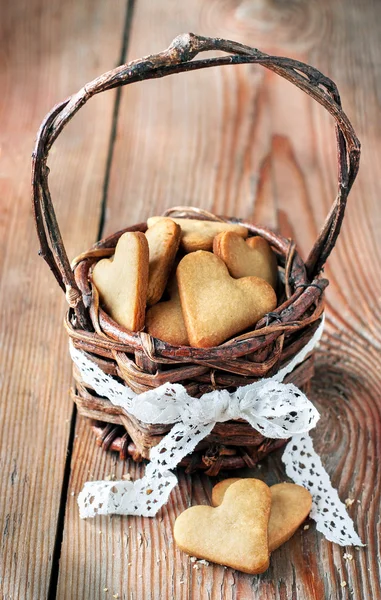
(242, 141)
(48, 48)
(236, 140)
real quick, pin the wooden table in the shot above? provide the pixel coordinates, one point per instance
(235, 140)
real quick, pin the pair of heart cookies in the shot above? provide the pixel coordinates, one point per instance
(249, 522)
(222, 286)
(137, 274)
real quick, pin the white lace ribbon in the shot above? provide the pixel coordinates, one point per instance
(275, 409)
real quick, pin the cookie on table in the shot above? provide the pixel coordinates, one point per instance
(165, 320)
(253, 257)
(290, 506)
(235, 533)
(216, 306)
(122, 281)
(198, 234)
(163, 242)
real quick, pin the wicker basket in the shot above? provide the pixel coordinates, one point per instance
(143, 362)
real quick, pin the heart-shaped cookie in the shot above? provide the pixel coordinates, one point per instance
(290, 506)
(122, 281)
(163, 242)
(165, 320)
(215, 306)
(198, 234)
(235, 533)
(243, 259)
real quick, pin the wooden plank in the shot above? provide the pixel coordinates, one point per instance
(241, 141)
(49, 49)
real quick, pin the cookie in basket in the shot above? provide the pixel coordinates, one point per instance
(244, 258)
(122, 281)
(198, 234)
(163, 242)
(216, 306)
(165, 320)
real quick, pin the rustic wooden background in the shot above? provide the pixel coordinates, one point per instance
(236, 140)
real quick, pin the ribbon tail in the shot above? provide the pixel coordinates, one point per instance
(125, 497)
(303, 465)
(144, 497)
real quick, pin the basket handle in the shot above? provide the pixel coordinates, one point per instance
(178, 58)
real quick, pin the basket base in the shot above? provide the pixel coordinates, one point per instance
(230, 445)
(211, 459)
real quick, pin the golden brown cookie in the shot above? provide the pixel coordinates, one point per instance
(163, 242)
(243, 259)
(235, 533)
(198, 234)
(122, 281)
(290, 506)
(215, 306)
(165, 320)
